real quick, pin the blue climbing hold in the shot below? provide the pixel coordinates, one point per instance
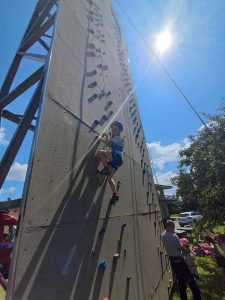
(102, 264)
(123, 225)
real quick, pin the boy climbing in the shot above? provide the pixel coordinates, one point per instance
(112, 159)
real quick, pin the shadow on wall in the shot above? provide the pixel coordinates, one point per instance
(66, 250)
(65, 253)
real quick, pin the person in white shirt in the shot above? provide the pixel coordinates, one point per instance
(174, 250)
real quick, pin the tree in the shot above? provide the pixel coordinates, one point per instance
(201, 179)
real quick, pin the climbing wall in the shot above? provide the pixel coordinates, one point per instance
(72, 243)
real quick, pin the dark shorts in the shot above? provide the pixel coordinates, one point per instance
(116, 161)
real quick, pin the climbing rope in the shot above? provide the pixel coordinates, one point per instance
(161, 65)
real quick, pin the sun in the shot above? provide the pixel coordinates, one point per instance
(163, 41)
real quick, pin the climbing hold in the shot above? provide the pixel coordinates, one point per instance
(101, 94)
(123, 225)
(90, 46)
(102, 264)
(91, 73)
(108, 104)
(116, 255)
(90, 54)
(92, 85)
(104, 68)
(110, 114)
(103, 120)
(99, 66)
(118, 186)
(128, 278)
(92, 98)
(93, 252)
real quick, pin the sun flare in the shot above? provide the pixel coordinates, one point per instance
(163, 41)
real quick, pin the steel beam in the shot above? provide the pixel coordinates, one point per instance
(21, 88)
(38, 33)
(40, 23)
(20, 134)
(6, 114)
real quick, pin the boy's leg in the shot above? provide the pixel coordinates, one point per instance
(112, 182)
(105, 156)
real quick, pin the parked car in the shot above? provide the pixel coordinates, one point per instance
(186, 218)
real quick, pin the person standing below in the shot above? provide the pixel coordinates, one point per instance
(189, 257)
(179, 266)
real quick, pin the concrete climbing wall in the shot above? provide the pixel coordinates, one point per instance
(69, 231)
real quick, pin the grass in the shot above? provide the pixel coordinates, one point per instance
(174, 216)
(2, 293)
(210, 283)
(219, 229)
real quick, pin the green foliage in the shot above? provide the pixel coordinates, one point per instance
(201, 179)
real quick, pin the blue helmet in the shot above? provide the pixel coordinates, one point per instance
(118, 124)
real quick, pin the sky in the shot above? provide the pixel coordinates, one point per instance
(195, 60)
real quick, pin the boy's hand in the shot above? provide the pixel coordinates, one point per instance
(107, 142)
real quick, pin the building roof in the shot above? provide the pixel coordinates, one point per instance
(163, 186)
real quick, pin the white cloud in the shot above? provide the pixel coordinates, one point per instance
(3, 141)
(162, 154)
(186, 143)
(169, 153)
(208, 124)
(164, 178)
(10, 190)
(17, 172)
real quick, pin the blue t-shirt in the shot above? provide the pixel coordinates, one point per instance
(118, 144)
